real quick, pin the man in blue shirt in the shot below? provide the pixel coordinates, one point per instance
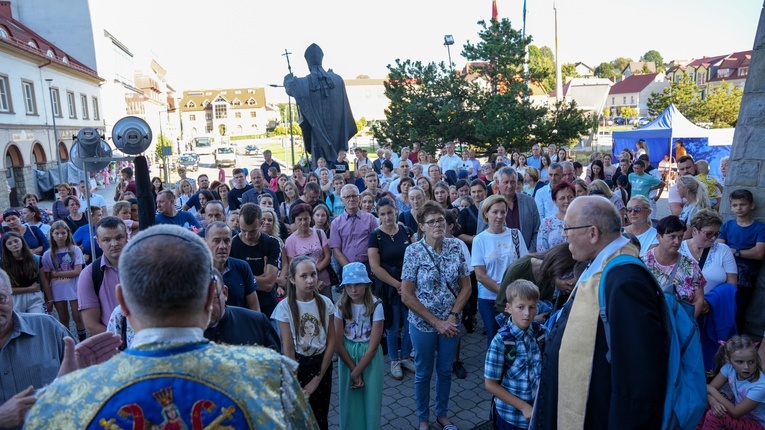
(237, 275)
(167, 214)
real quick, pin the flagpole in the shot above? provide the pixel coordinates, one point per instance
(558, 80)
(526, 49)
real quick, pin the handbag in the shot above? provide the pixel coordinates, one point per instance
(334, 279)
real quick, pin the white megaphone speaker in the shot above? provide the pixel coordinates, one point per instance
(131, 135)
(89, 144)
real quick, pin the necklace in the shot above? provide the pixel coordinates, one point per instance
(392, 236)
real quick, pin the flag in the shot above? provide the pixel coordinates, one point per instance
(494, 13)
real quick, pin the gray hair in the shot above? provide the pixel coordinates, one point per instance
(557, 166)
(564, 164)
(507, 171)
(165, 270)
(349, 187)
(5, 282)
(600, 212)
(215, 202)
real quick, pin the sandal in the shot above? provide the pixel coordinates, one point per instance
(448, 426)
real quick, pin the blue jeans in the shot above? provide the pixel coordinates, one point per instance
(432, 349)
(489, 318)
(400, 314)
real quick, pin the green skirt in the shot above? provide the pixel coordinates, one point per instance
(360, 407)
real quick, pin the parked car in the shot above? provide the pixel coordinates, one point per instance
(225, 156)
(643, 121)
(251, 149)
(620, 121)
(189, 160)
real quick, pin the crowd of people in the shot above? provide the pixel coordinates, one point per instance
(401, 254)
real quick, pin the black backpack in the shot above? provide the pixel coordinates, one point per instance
(97, 274)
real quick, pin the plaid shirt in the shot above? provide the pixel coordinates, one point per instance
(520, 379)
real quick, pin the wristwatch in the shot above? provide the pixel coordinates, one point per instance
(737, 253)
(456, 315)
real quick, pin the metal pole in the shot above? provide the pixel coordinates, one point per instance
(449, 51)
(55, 131)
(558, 81)
(526, 49)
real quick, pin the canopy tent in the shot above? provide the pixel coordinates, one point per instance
(660, 135)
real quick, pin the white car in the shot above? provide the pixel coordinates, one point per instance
(225, 156)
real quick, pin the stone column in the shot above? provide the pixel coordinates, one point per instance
(747, 163)
(5, 199)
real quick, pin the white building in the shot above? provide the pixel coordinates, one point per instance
(39, 83)
(634, 92)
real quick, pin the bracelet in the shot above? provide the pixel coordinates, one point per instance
(456, 314)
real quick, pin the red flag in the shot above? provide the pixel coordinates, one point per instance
(494, 12)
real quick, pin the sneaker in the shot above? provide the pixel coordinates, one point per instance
(459, 370)
(408, 365)
(395, 370)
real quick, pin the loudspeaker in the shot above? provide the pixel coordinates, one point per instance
(131, 135)
(89, 144)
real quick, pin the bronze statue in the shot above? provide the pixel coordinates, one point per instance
(325, 114)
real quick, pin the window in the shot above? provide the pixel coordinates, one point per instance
(220, 111)
(743, 71)
(84, 105)
(192, 117)
(3, 33)
(30, 104)
(5, 95)
(96, 114)
(56, 101)
(237, 114)
(252, 102)
(32, 43)
(632, 100)
(253, 114)
(624, 100)
(613, 100)
(191, 104)
(71, 105)
(700, 78)
(50, 54)
(723, 73)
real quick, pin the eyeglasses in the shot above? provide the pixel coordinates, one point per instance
(438, 221)
(636, 209)
(352, 196)
(710, 234)
(566, 229)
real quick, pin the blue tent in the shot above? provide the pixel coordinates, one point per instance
(668, 127)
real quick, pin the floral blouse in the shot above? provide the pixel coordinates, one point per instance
(687, 280)
(433, 280)
(550, 233)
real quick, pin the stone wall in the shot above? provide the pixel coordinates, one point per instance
(747, 163)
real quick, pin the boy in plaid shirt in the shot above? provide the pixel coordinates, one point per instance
(514, 359)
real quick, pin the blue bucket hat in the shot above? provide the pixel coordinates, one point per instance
(355, 273)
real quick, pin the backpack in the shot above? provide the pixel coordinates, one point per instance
(509, 341)
(97, 274)
(685, 393)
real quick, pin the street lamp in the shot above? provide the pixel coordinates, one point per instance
(161, 139)
(55, 131)
(292, 137)
(448, 42)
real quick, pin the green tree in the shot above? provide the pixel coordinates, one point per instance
(605, 70)
(362, 77)
(162, 141)
(568, 70)
(628, 112)
(542, 66)
(685, 95)
(434, 104)
(620, 64)
(722, 105)
(658, 60)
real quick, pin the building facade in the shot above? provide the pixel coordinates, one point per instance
(39, 83)
(634, 92)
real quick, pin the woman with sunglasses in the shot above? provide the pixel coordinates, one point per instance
(639, 215)
(721, 273)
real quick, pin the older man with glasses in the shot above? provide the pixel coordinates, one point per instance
(349, 233)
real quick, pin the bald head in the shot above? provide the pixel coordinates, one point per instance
(592, 223)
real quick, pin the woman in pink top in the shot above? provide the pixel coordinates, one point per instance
(309, 241)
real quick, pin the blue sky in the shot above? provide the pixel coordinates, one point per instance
(229, 43)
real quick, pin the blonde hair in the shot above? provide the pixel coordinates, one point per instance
(697, 189)
(521, 288)
(119, 206)
(488, 203)
(601, 185)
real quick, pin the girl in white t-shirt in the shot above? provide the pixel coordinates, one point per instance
(308, 334)
(743, 374)
(359, 316)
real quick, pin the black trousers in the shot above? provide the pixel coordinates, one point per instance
(309, 367)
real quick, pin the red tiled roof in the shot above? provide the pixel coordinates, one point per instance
(20, 35)
(633, 84)
(705, 61)
(734, 62)
(554, 93)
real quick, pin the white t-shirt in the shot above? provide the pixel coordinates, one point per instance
(647, 239)
(309, 335)
(720, 262)
(359, 329)
(95, 200)
(449, 162)
(495, 252)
